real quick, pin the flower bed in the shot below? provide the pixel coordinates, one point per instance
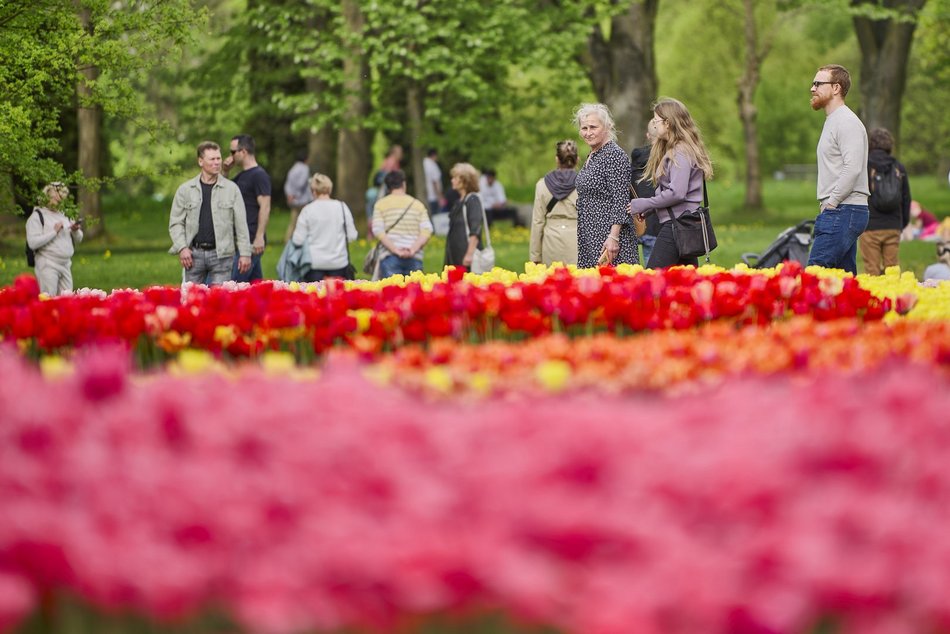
(766, 505)
(242, 320)
(594, 451)
(665, 360)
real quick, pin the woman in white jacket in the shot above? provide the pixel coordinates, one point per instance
(53, 237)
(325, 226)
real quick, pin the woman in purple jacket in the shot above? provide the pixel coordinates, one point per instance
(678, 166)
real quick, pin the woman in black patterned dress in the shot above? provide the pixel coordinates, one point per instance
(603, 192)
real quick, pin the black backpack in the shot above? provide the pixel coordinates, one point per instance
(886, 190)
(30, 255)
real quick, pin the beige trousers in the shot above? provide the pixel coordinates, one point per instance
(55, 276)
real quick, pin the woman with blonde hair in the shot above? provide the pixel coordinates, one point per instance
(554, 218)
(603, 191)
(678, 167)
(465, 231)
(325, 227)
(53, 238)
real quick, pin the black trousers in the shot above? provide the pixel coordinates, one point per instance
(502, 213)
(318, 276)
(665, 252)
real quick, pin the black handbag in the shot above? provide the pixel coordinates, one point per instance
(693, 231)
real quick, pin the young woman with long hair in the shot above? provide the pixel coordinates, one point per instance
(678, 166)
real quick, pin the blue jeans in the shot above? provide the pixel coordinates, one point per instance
(647, 241)
(836, 237)
(254, 273)
(393, 264)
(208, 268)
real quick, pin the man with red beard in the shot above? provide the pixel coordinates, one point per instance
(842, 173)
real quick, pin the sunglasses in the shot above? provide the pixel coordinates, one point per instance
(817, 84)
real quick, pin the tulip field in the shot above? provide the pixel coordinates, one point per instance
(604, 451)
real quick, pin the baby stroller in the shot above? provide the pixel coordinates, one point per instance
(792, 244)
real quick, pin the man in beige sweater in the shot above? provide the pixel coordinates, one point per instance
(842, 173)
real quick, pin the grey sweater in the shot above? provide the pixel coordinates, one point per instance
(679, 190)
(842, 160)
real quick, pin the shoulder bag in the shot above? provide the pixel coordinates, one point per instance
(693, 231)
(371, 261)
(483, 260)
(350, 271)
(639, 221)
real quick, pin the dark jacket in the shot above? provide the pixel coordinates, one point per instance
(638, 162)
(882, 162)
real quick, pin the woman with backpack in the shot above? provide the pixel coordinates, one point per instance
(52, 237)
(554, 215)
(888, 205)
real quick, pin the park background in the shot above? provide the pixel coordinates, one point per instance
(114, 97)
(610, 451)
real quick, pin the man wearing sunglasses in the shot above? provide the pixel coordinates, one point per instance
(842, 173)
(255, 185)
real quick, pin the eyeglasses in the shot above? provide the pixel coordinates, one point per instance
(235, 151)
(816, 84)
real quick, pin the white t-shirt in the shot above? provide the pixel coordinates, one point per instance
(492, 194)
(433, 175)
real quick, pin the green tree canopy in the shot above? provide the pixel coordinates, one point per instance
(44, 49)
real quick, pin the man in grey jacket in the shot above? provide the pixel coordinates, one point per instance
(842, 173)
(208, 222)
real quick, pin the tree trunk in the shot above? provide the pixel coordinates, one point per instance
(885, 49)
(623, 69)
(89, 123)
(322, 143)
(322, 151)
(416, 151)
(748, 113)
(353, 152)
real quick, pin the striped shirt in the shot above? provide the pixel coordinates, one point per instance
(414, 224)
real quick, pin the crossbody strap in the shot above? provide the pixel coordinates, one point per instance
(401, 216)
(484, 221)
(669, 210)
(346, 243)
(390, 227)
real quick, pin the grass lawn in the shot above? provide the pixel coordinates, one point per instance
(134, 253)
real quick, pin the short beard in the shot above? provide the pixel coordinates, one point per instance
(817, 103)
